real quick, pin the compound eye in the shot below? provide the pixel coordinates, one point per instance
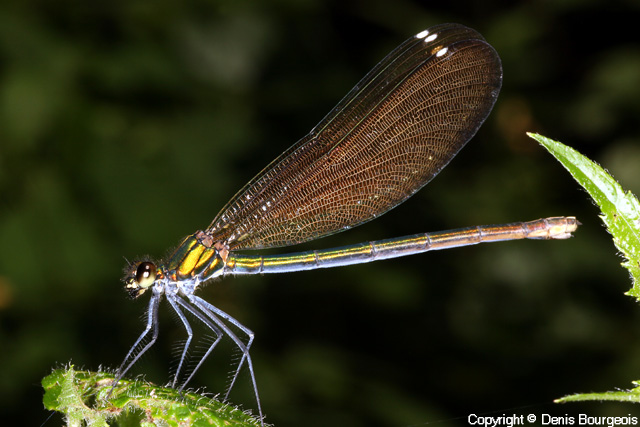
(145, 274)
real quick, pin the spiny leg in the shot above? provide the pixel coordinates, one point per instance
(152, 322)
(187, 327)
(212, 313)
(217, 332)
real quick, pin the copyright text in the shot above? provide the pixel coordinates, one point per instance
(549, 420)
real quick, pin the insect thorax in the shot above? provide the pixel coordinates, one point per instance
(197, 257)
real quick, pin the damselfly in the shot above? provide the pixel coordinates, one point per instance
(392, 133)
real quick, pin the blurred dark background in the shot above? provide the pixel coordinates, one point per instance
(125, 126)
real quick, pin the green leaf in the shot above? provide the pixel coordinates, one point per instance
(89, 397)
(621, 215)
(621, 396)
(620, 209)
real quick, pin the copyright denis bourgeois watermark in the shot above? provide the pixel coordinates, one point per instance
(550, 420)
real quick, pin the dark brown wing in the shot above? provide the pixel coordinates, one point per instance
(383, 142)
